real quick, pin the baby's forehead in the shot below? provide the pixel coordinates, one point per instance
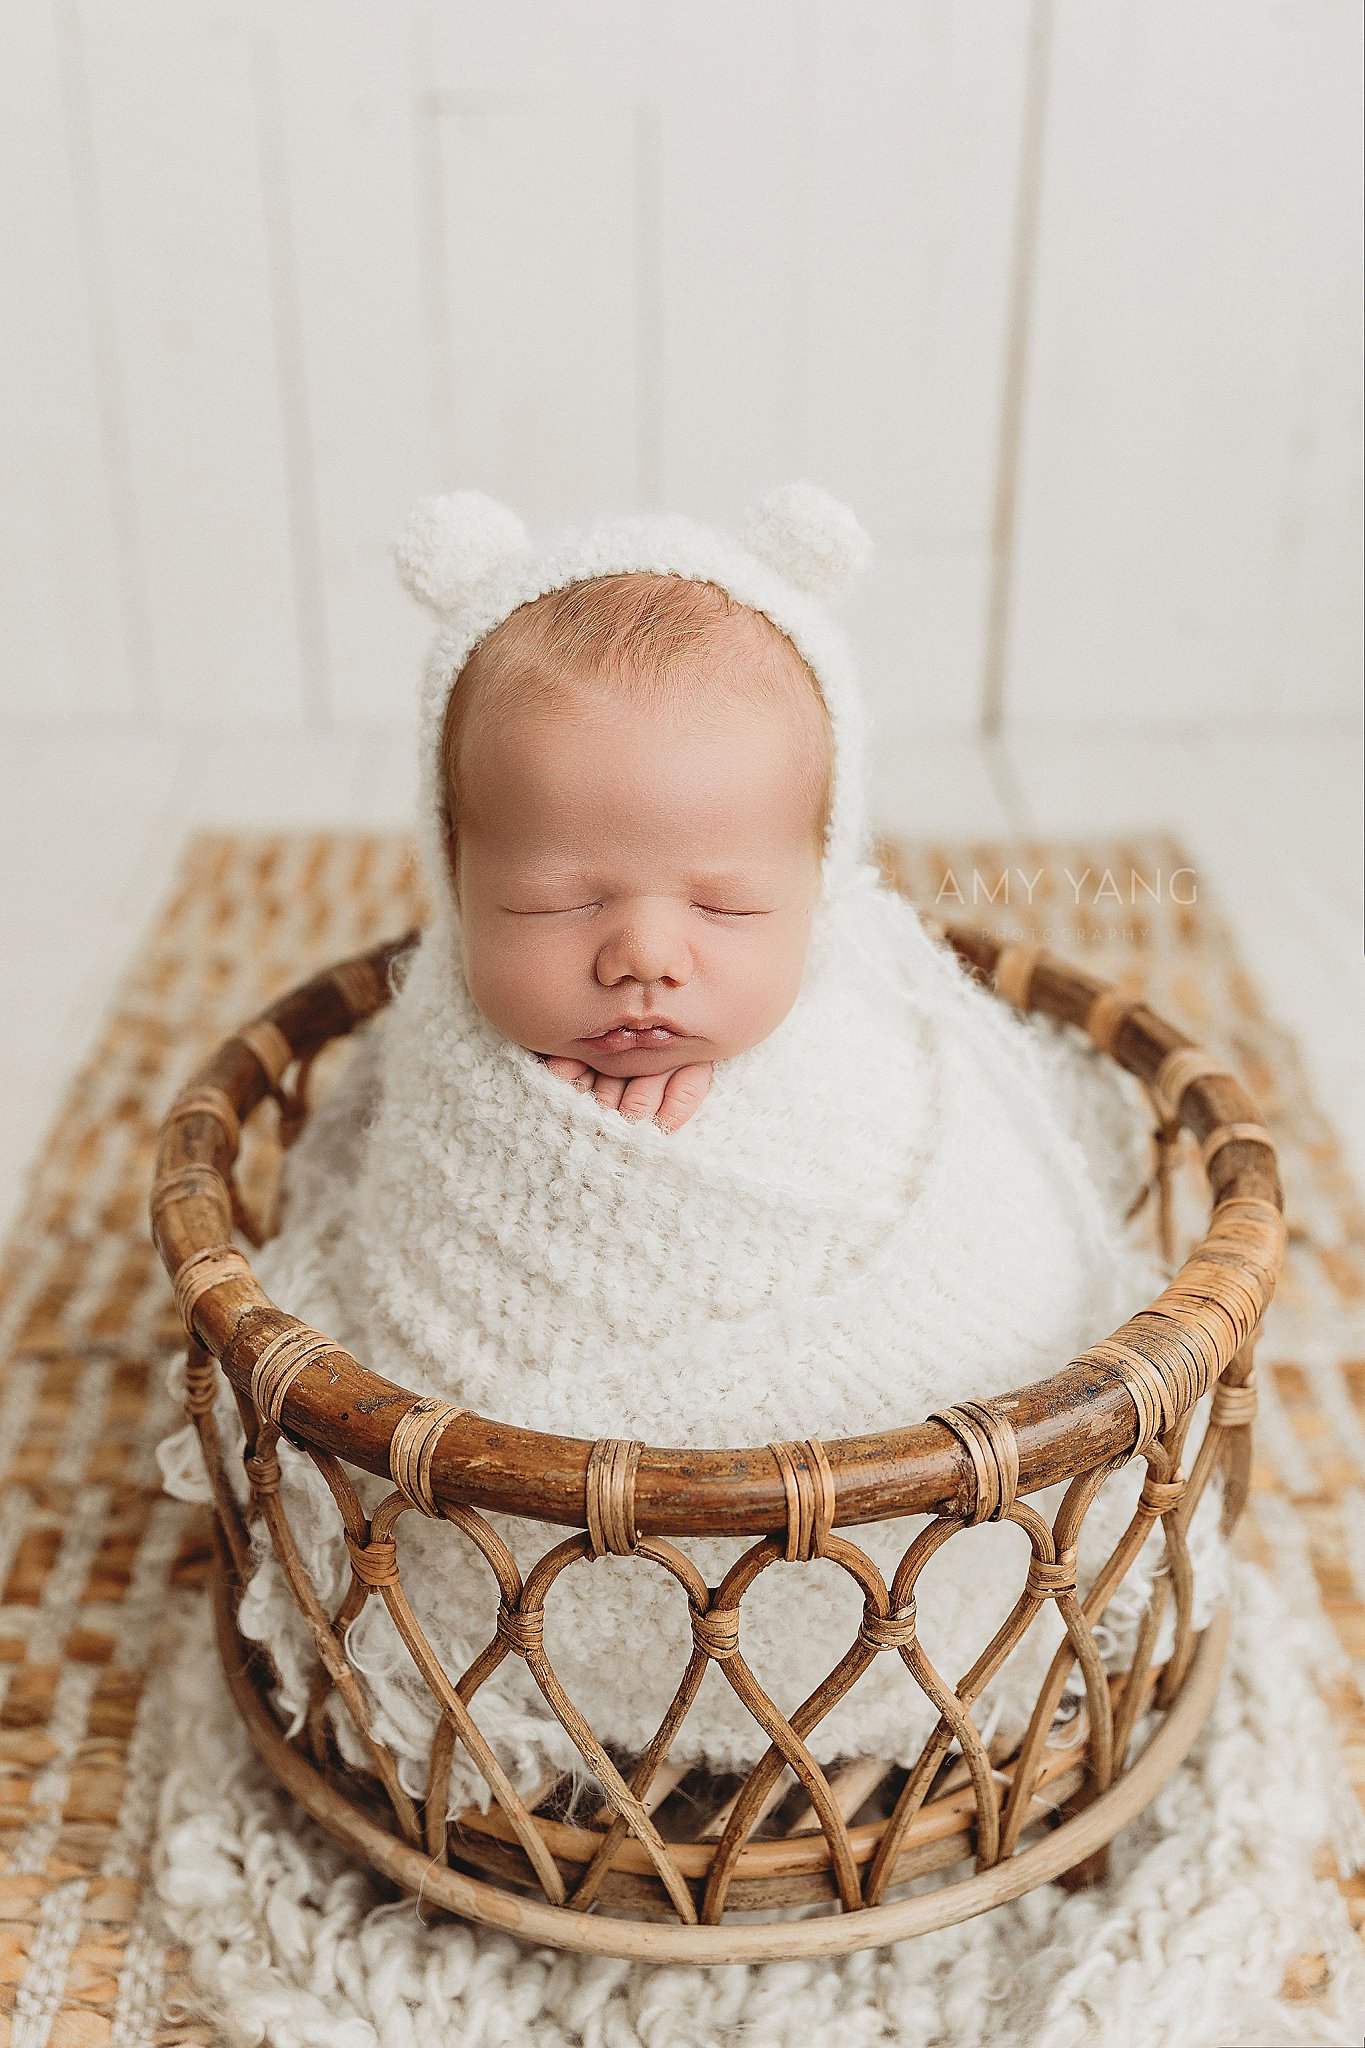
(633, 649)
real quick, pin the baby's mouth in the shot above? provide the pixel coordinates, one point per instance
(629, 1038)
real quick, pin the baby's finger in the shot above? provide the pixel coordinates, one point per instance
(684, 1095)
(644, 1093)
(576, 1071)
(609, 1088)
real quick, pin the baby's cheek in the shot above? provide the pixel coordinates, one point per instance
(760, 988)
(519, 987)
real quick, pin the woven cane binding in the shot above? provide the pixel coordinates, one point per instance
(609, 1496)
(994, 1452)
(1014, 973)
(1104, 1018)
(415, 1438)
(809, 1486)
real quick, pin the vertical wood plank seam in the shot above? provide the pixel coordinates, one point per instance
(116, 458)
(296, 443)
(649, 338)
(1032, 142)
(428, 113)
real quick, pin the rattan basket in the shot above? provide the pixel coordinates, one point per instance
(677, 1865)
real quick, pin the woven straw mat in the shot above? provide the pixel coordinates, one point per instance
(91, 1550)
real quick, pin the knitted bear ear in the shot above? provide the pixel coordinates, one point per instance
(454, 543)
(808, 537)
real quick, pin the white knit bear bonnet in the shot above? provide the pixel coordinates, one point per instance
(471, 561)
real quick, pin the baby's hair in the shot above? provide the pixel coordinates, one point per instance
(640, 633)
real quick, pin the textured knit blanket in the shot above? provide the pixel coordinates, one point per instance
(905, 1197)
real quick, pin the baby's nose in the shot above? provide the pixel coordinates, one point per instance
(649, 945)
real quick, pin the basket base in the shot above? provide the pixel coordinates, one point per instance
(596, 1933)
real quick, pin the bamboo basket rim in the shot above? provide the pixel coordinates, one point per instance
(1098, 1407)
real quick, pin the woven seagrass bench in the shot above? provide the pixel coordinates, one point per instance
(674, 1853)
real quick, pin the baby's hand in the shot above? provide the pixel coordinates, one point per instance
(669, 1098)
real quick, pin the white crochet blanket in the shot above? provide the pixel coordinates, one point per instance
(906, 1196)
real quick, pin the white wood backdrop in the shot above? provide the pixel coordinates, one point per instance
(1063, 295)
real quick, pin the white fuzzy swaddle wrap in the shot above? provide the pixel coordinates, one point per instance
(904, 1197)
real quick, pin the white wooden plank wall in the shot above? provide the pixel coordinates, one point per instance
(273, 269)
(172, 95)
(1188, 522)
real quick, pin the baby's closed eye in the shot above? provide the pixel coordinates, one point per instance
(571, 909)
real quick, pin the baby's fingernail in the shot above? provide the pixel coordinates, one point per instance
(583, 1082)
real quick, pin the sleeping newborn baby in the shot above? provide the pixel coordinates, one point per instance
(639, 773)
(680, 1126)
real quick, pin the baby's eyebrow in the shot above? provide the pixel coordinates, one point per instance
(731, 879)
(567, 878)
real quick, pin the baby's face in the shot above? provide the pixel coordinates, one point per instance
(618, 859)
